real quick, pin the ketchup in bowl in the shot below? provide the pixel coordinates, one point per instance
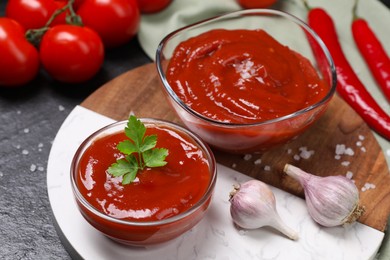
(243, 76)
(161, 203)
(246, 81)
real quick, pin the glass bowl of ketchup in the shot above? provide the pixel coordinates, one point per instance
(161, 203)
(247, 81)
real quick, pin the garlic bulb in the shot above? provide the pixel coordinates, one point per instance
(332, 200)
(253, 206)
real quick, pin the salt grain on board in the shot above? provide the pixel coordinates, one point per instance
(25, 152)
(247, 157)
(26, 130)
(305, 154)
(342, 149)
(349, 175)
(368, 186)
(345, 163)
(257, 162)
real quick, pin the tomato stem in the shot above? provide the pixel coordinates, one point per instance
(34, 36)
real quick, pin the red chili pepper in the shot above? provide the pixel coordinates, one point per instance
(373, 53)
(349, 87)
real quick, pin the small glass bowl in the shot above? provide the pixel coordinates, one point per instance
(252, 137)
(143, 233)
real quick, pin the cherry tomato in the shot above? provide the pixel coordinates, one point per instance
(116, 21)
(248, 4)
(31, 14)
(152, 6)
(71, 53)
(19, 60)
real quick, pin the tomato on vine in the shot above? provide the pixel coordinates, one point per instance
(33, 14)
(116, 21)
(19, 62)
(71, 53)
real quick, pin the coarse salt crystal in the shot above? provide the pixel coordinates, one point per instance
(345, 163)
(242, 232)
(25, 152)
(358, 143)
(349, 175)
(368, 186)
(61, 108)
(305, 154)
(340, 148)
(26, 130)
(361, 137)
(349, 151)
(363, 149)
(33, 167)
(267, 168)
(41, 169)
(247, 157)
(234, 165)
(337, 157)
(257, 162)
(40, 145)
(289, 151)
(297, 157)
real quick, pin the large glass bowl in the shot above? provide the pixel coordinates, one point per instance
(260, 136)
(143, 233)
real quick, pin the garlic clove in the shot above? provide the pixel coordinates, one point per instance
(253, 206)
(331, 200)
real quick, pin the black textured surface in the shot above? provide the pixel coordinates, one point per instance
(30, 117)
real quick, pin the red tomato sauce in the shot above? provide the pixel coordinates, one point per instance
(243, 76)
(157, 193)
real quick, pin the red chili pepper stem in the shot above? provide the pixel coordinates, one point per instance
(349, 87)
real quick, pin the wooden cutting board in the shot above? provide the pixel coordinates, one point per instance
(138, 91)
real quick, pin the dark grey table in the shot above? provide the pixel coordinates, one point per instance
(30, 117)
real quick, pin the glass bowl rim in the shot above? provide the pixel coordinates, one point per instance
(100, 133)
(289, 16)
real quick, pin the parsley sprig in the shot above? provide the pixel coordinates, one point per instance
(139, 151)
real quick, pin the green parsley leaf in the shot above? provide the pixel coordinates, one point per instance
(127, 147)
(155, 157)
(148, 143)
(135, 131)
(139, 152)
